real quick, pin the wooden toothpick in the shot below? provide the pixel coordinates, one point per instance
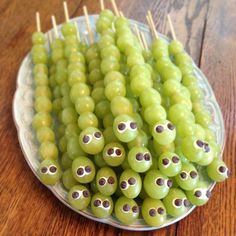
(38, 24)
(78, 34)
(66, 11)
(171, 27)
(138, 35)
(55, 27)
(91, 38)
(102, 5)
(144, 40)
(152, 24)
(115, 7)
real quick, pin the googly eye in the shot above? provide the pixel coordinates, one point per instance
(183, 175)
(97, 135)
(139, 156)
(111, 180)
(102, 182)
(175, 159)
(106, 204)
(44, 170)
(123, 185)
(121, 127)
(110, 151)
(97, 203)
(170, 126)
(147, 157)
(160, 210)
(199, 143)
(159, 128)
(87, 139)
(126, 207)
(169, 183)
(88, 169)
(118, 152)
(186, 203)
(152, 212)
(193, 174)
(86, 193)
(206, 147)
(133, 125)
(80, 171)
(160, 181)
(178, 202)
(222, 169)
(165, 161)
(197, 193)
(208, 193)
(135, 209)
(52, 169)
(132, 181)
(75, 195)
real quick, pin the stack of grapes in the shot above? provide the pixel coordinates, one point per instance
(130, 124)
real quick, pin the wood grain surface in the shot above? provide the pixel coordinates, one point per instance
(206, 27)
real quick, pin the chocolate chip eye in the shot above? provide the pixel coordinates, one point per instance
(44, 170)
(86, 139)
(152, 212)
(160, 181)
(97, 134)
(132, 181)
(106, 204)
(186, 203)
(110, 151)
(159, 129)
(53, 169)
(80, 171)
(200, 143)
(193, 174)
(160, 210)
(123, 185)
(222, 169)
(139, 156)
(178, 202)
(208, 193)
(206, 147)
(97, 203)
(101, 181)
(126, 207)
(175, 159)
(147, 157)
(118, 152)
(111, 180)
(169, 183)
(88, 169)
(135, 209)
(121, 126)
(75, 195)
(170, 126)
(86, 193)
(183, 175)
(133, 125)
(165, 161)
(198, 193)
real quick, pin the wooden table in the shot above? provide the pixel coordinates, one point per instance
(206, 27)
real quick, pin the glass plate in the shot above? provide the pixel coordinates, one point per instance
(23, 113)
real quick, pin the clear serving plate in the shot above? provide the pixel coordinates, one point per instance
(23, 112)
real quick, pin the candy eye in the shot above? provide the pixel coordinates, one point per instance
(80, 171)
(208, 194)
(101, 181)
(170, 126)
(106, 204)
(110, 151)
(147, 157)
(186, 203)
(198, 193)
(159, 128)
(97, 135)
(118, 152)
(135, 209)
(169, 183)
(152, 212)
(53, 169)
(88, 169)
(133, 125)
(200, 143)
(175, 159)
(44, 170)
(139, 156)
(86, 193)
(193, 174)
(131, 181)
(75, 195)
(165, 161)
(97, 203)
(126, 207)
(160, 210)
(160, 181)
(86, 139)
(121, 126)
(123, 185)
(111, 180)
(178, 202)
(206, 147)
(222, 169)
(183, 175)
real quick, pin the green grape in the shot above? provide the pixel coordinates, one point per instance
(183, 58)
(196, 92)
(107, 13)
(76, 57)
(171, 87)
(69, 49)
(69, 115)
(38, 48)
(190, 80)
(49, 172)
(68, 180)
(109, 64)
(140, 70)
(99, 161)
(66, 102)
(45, 134)
(52, 81)
(41, 119)
(138, 119)
(101, 205)
(186, 68)
(169, 164)
(79, 90)
(105, 41)
(124, 42)
(92, 53)
(185, 92)
(106, 181)
(159, 148)
(48, 151)
(113, 154)
(79, 197)
(98, 94)
(83, 169)
(197, 106)
(218, 171)
(40, 57)
(185, 129)
(108, 120)
(126, 210)
(203, 118)
(135, 59)
(109, 135)
(102, 24)
(57, 92)
(76, 66)
(38, 38)
(61, 76)
(175, 47)
(71, 39)
(149, 96)
(125, 128)
(112, 76)
(159, 43)
(73, 148)
(62, 144)
(188, 177)
(121, 105)
(40, 68)
(43, 91)
(42, 104)
(66, 162)
(171, 72)
(156, 184)
(115, 88)
(154, 113)
(140, 141)
(139, 159)
(153, 212)
(112, 51)
(84, 104)
(176, 202)
(91, 140)
(199, 132)
(178, 98)
(161, 63)
(102, 108)
(76, 76)
(95, 75)
(87, 119)
(41, 79)
(68, 29)
(57, 105)
(210, 135)
(57, 54)
(139, 84)
(57, 43)
(199, 195)
(61, 130)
